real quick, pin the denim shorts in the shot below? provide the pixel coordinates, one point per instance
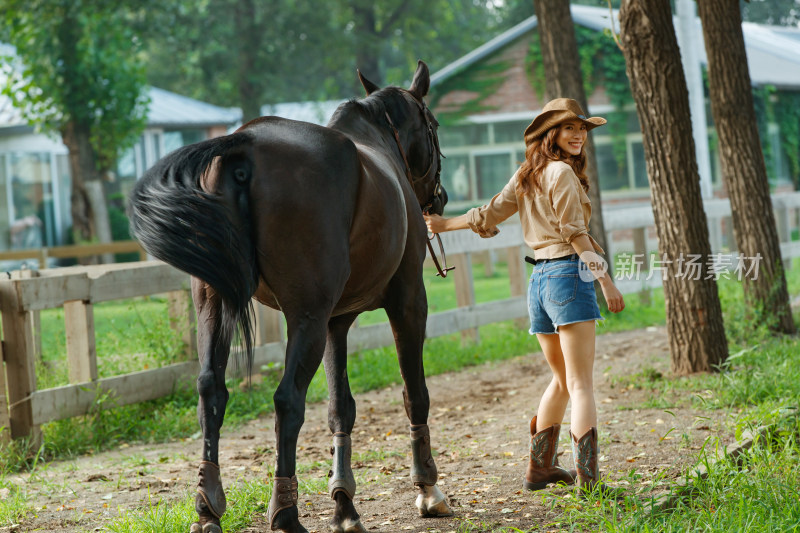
(558, 295)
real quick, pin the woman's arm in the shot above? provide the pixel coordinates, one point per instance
(439, 224)
(599, 268)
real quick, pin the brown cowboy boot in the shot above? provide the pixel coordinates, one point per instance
(543, 463)
(584, 450)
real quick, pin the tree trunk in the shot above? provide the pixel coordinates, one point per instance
(249, 39)
(742, 162)
(82, 163)
(367, 45)
(88, 207)
(694, 316)
(564, 79)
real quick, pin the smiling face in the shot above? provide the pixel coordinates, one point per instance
(571, 136)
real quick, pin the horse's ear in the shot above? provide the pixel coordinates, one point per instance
(421, 82)
(368, 85)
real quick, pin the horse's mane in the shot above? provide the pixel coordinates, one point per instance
(373, 108)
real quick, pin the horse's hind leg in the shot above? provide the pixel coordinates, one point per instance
(213, 347)
(407, 308)
(341, 418)
(306, 333)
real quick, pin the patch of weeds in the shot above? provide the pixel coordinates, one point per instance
(376, 456)
(758, 491)
(18, 454)
(245, 500)
(14, 504)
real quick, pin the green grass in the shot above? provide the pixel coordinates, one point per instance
(134, 335)
(760, 379)
(759, 494)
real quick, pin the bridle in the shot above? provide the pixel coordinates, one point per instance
(435, 151)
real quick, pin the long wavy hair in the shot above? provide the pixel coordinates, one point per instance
(542, 151)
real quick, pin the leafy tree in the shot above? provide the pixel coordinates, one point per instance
(694, 314)
(564, 78)
(77, 74)
(249, 53)
(743, 162)
(245, 53)
(777, 12)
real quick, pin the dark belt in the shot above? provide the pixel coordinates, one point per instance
(533, 261)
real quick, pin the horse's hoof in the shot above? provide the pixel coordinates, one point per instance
(207, 528)
(431, 502)
(298, 529)
(348, 526)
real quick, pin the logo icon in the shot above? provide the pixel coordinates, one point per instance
(591, 266)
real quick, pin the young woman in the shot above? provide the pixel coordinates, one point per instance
(549, 193)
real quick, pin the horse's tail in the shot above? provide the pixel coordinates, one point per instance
(206, 234)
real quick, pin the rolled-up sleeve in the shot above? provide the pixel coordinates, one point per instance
(567, 205)
(483, 219)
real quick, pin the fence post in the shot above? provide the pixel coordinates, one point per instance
(729, 235)
(5, 421)
(268, 324)
(488, 263)
(518, 275)
(182, 320)
(610, 249)
(81, 349)
(36, 318)
(640, 250)
(784, 230)
(715, 234)
(20, 363)
(465, 290)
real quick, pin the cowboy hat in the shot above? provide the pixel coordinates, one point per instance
(554, 113)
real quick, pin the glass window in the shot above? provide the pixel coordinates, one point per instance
(126, 165)
(464, 135)
(493, 172)
(639, 166)
(157, 146)
(510, 132)
(172, 141)
(632, 122)
(33, 223)
(612, 176)
(455, 178)
(192, 136)
(177, 138)
(4, 207)
(64, 197)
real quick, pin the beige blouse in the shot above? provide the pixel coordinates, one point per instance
(550, 219)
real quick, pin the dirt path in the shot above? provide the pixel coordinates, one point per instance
(479, 420)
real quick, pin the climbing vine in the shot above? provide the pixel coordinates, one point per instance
(787, 115)
(602, 65)
(482, 80)
(781, 108)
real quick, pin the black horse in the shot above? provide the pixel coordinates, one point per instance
(322, 223)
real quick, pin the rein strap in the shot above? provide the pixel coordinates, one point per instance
(440, 271)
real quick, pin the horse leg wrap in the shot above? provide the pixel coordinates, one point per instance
(209, 490)
(423, 468)
(341, 475)
(284, 496)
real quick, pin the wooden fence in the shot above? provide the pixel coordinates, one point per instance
(41, 255)
(77, 289)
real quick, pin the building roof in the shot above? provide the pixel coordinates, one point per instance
(172, 110)
(773, 52)
(166, 109)
(314, 112)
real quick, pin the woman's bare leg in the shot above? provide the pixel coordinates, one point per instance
(554, 400)
(577, 347)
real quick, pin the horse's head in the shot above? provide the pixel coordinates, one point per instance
(416, 132)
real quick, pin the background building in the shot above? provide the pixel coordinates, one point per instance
(34, 171)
